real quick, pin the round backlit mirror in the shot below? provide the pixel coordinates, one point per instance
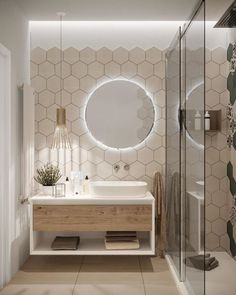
(119, 114)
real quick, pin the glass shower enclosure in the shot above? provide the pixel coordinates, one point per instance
(185, 152)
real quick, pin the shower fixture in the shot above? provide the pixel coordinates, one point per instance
(228, 19)
(61, 139)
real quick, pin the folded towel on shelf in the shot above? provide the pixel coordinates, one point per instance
(158, 192)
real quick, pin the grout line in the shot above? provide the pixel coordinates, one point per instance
(141, 272)
(77, 277)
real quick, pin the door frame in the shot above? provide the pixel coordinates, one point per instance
(5, 167)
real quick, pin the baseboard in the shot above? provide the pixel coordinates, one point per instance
(180, 285)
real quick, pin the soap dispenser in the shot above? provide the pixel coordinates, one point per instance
(86, 185)
(197, 121)
(207, 120)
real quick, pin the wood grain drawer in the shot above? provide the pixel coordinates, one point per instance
(92, 217)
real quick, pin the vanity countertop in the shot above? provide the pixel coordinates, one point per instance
(90, 200)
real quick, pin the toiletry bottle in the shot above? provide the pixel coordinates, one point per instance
(86, 185)
(207, 120)
(68, 186)
(197, 121)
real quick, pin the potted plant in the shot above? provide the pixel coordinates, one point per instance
(47, 176)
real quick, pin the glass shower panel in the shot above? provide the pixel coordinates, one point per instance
(173, 153)
(192, 151)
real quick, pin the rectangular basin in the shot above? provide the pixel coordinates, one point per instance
(103, 189)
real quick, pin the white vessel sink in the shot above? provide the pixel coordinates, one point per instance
(103, 189)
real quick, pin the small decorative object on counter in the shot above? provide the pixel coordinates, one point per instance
(77, 182)
(68, 186)
(207, 120)
(60, 190)
(86, 185)
(48, 176)
(197, 121)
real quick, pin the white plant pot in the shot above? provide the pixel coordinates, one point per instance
(48, 190)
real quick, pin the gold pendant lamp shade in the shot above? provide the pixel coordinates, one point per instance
(61, 139)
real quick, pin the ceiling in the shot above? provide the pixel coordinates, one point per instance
(159, 10)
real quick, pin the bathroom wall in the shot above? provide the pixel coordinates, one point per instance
(83, 71)
(14, 35)
(217, 153)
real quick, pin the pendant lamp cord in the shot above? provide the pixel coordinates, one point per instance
(61, 57)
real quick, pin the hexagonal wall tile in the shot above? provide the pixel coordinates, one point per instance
(40, 112)
(219, 84)
(63, 98)
(219, 170)
(112, 69)
(63, 70)
(46, 69)
(96, 70)
(54, 55)
(72, 112)
(145, 69)
(38, 83)
(212, 98)
(153, 55)
(54, 84)
(137, 55)
(88, 169)
(159, 69)
(212, 69)
(87, 55)
(219, 198)
(212, 184)
(46, 98)
(78, 127)
(219, 55)
(87, 84)
(79, 69)
(112, 156)
(96, 155)
(212, 212)
(219, 227)
(71, 55)
(212, 155)
(137, 169)
(38, 55)
(154, 141)
(153, 84)
(104, 169)
(86, 142)
(104, 55)
(46, 127)
(120, 55)
(71, 84)
(79, 98)
(128, 69)
(152, 168)
(129, 156)
(159, 155)
(145, 155)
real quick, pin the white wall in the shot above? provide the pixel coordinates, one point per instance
(14, 35)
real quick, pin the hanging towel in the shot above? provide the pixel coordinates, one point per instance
(173, 214)
(158, 192)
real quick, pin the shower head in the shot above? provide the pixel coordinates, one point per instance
(228, 19)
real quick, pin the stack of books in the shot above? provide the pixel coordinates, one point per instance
(121, 240)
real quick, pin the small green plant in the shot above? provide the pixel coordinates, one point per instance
(48, 175)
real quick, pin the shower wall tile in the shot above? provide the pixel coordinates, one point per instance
(82, 71)
(217, 153)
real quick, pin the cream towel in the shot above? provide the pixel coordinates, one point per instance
(158, 192)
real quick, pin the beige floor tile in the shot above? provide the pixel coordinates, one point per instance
(13, 289)
(109, 284)
(110, 264)
(153, 264)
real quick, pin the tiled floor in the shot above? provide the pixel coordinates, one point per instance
(92, 275)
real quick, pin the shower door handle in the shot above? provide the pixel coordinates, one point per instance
(180, 118)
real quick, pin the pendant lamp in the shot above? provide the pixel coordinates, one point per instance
(61, 139)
